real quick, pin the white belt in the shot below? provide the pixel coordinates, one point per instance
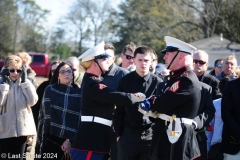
(169, 118)
(96, 119)
(174, 135)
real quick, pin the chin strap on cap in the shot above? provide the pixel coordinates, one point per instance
(173, 59)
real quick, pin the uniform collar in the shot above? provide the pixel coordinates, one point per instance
(179, 71)
(94, 76)
(137, 76)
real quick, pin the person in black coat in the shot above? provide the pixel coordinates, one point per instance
(231, 119)
(200, 64)
(217, 69)
(213, 82)
(181, 97)
(59, 115)
(111, 78)
(205, 115)
(133, 130)
(40, 90)
(93, 137)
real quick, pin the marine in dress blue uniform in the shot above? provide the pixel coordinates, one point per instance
(93, 137)
(173, 136)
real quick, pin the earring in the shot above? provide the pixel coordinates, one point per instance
(58, 81)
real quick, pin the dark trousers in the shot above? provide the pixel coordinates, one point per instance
(215, 152)
(113, 149)
(203, 149)
(13, 147)
(132, 147)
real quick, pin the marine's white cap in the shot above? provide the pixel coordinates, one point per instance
(96, 52)
(173, 44)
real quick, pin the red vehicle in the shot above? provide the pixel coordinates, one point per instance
(40, 63)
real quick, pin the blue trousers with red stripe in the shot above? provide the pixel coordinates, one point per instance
(87, 155)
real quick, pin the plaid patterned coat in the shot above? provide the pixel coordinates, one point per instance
(59, 114)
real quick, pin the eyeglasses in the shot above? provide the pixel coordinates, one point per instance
(199, 61)
(63, 72)
(219, 65)
(15, 70)
(128, 57)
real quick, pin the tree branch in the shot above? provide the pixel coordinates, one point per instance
(192, 6)
(179, 23)
(216, 16)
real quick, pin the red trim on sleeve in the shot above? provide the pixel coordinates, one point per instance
(89, 155)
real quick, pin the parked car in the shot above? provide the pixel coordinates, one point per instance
(1, 64)
(40, 63)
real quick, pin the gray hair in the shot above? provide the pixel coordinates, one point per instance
(72, 60)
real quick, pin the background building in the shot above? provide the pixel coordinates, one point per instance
(218, 47)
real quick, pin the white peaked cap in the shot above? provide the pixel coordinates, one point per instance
(173, 44)
(91, 53)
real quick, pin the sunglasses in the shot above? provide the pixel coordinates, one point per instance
(199, 61)
(219, 65)
(63, 72)
(128, 57)
(15, 70)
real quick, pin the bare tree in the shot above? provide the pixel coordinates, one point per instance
(8, 13)
(32, 34)
(88, 20)
(98, 12)
(206, 14)
(78, 18)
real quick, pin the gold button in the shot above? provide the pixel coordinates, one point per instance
(165, 84)
(172, 73)
(168, 78)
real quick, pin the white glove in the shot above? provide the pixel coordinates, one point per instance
(137, 97)
(142, 111)
(148, 113)
(153, 114)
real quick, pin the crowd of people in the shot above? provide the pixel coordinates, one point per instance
(92, 109)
